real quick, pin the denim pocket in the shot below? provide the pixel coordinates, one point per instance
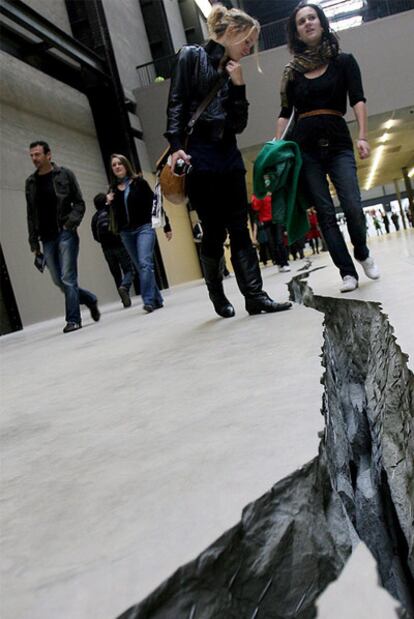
(67, 234)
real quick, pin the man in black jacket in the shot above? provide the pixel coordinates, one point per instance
(115, 253)
(55, 209)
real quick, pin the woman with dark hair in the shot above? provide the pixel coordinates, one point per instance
(130, 199)
(316, 84)
(216, 184)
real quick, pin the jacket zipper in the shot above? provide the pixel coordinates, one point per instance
(57, 214)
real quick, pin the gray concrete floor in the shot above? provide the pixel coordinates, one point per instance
(131, 445)
(356, 594)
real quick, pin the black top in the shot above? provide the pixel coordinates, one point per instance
(342, 78)
(216, 157)
(100, 226)
(70, 206)
(47, 207)
(138, 209)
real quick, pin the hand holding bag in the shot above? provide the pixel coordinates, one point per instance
(172, 186)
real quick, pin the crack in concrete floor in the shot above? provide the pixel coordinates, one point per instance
(294, 540)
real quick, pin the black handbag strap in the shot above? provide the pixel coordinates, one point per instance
(205, 102)
(190, 126)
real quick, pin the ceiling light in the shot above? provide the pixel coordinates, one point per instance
(411, 172)
(327, 3)
(204, 6)
(378, 155)
(344, 24)
(390, 123)
(343, 7)
(384, 138)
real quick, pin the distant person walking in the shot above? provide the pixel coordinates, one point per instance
(396, 221)
(314, 234)
(116, 255)
(386, 222)
(377, 225)
(130, 199)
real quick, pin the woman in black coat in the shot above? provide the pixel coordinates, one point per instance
(130, 200)
(216, 184)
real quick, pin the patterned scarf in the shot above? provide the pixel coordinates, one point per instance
(309, 60)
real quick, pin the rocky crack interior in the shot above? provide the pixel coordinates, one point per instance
(294, 540)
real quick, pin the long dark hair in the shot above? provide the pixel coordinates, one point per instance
(294, 44)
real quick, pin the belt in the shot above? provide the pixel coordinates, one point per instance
(320, 113)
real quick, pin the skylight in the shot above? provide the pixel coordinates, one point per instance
(343, 14)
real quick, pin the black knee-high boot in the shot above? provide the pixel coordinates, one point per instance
(249, 280)
(213, 269)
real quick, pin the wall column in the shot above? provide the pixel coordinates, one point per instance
(409, 191)
(397, 191)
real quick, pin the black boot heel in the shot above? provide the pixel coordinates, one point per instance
(249, 280)
(213, 274)
(222, 306)
(267, 305)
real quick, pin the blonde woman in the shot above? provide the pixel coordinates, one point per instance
(216, 184)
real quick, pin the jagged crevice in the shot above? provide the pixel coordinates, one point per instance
(398, 542)
(369, 412)
(293, 541)
(290, 544)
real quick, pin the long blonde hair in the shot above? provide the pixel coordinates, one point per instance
(220, 19)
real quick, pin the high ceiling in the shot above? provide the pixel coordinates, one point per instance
(397, 151)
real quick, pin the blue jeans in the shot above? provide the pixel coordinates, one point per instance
(139, 244)
(61, 257)
(341, 168)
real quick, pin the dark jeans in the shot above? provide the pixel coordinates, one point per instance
(264, 252)
(139, 244)
(61, 256)
(341, 168)
(314, 243)
(278, 249)
(297, 248)
(221, 203)
(120, 266)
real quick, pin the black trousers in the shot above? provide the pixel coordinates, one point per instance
(277, 247)
(264, 253)
(221, 203)
(120, 266)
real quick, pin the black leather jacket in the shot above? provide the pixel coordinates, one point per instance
(194, 76)
(70, 204)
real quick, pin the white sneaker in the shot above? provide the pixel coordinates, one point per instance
(371, 270)
(349, 283)
(284, 269)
